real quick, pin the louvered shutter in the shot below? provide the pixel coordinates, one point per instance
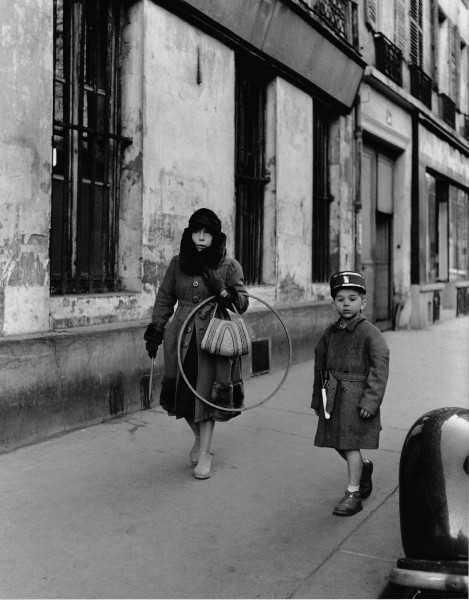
(400, 29)
(371, 13)
(435, 41)
(416, 32)
(453, 59)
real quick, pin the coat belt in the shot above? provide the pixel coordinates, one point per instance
(336, 376)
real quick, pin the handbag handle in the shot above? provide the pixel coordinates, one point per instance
(212, 316)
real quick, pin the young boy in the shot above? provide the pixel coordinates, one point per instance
(350, 375)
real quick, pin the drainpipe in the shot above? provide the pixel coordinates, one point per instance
(357, 200)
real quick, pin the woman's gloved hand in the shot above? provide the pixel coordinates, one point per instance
(228, 298)
(213, 281)
(153, 339)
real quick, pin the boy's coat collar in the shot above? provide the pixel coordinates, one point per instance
(351, 324)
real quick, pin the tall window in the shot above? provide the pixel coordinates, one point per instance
(321, 196)
(251, 177)
(86, 146)
(416, 32)
(447, 230)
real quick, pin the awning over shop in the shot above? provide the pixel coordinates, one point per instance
(279, 30)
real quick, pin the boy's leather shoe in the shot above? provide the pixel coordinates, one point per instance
(349, 505)
(366, 485)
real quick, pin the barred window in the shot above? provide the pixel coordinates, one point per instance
(321, 196)
(86, 146)
(251, 177)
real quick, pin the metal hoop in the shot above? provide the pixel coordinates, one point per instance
(183, 327)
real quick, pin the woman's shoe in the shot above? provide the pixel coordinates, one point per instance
(194, 453)
(203, 468)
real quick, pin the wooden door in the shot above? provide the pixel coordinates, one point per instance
(377, 220)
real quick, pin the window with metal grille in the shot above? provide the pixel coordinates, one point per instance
(251, 176)
(321, 196)
(86, 146)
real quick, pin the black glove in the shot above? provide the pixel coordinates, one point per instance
(226, 301)
(153, 339)
(213, 281)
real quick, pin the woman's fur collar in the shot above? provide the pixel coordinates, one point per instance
(193, 262)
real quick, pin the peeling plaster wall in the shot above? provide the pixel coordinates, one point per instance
(25, 153)
(130, 209)
(189, 135)
(342, 211)
(294, 187)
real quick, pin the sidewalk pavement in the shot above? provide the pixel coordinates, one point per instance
(112, 511)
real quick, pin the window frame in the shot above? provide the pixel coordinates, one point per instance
(251, 175)
(87, 147)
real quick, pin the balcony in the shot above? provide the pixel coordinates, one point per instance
(447, 110)
(338, 15)
(420, 85)
(388, 58)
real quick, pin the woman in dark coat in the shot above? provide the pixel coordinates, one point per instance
(201, 269)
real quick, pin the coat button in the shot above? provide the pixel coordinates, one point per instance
(184, 344)
(195, 283)
(189, 329)
(195, 299)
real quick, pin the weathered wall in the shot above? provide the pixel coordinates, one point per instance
(25, 164)
(178, 93)
(294, 191)
(189, 135)
(342, 211)
(55, 382)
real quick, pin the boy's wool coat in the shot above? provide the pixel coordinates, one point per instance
(358, 358)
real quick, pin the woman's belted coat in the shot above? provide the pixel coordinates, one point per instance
(219, 379)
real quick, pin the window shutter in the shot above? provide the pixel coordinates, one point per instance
(400, 36)
(435, 41)
(416, 32)
(453, 57)
(371, 13)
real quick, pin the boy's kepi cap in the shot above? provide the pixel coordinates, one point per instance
(347, 279)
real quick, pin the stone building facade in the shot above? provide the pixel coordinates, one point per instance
(119, 119)
(415, 158)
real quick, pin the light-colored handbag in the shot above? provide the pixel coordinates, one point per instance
(226, 337)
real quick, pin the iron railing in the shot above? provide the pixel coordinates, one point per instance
(420, 85)
(87, 147)
(388, 58)
(251, 175)
(447, 110)
(321, 196)
(338, 15)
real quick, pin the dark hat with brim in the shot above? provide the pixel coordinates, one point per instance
(347, 279)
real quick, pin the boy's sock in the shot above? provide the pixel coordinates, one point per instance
(353, 488)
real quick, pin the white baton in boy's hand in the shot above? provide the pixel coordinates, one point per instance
(324, 403)
(324, 386)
